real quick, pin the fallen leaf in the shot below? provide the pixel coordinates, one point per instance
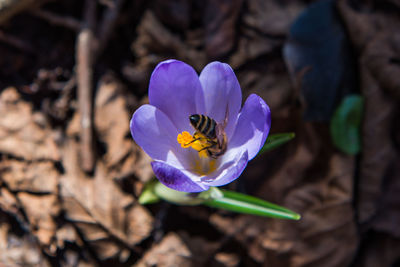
(102, 212)
(271, 17)
(220, 19)
(37, 177)
(155, 43)
(317, 41)
(112, 121)
(41, 211)
(170, 252)
(371, 34)
(24, 133)
(18, 250)
(227, 259)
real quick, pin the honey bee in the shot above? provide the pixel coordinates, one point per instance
(213, 132)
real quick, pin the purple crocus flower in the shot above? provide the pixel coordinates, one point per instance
(180, 153)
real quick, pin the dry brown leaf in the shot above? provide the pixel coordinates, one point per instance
(112, 121)
(18, 250)
(37, 177)
(175, 13)
(251, 46)
(326, 235)
(271, 17)
(373, 37)
(272, 86)
(143, 170)
(220, 19)
(100, 209)
(381, 250)
(67, 233)
(170, 252)
(387, 219)
(227, 259)
(377, 150)
(8, 202)
(155, 43)
(41, 211)
(23, 133)
(265, 26)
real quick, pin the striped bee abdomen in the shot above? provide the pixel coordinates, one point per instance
(204, 125)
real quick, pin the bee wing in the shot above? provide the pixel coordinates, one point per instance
(226, 116)
(220, 133)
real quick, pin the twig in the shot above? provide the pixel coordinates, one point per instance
(84, 59)
(9, 8)
(88, 49)
(108, 23)
(52, 18)
(15, 42)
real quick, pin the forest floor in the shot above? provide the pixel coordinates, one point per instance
(68, 191)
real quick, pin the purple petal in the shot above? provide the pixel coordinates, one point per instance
(174, 178)
(154, 132)
(221, 92)
(252, 126)
(229, 171)
(173, 88)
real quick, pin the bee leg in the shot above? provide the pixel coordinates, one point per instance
(212, 144)
(194, 140)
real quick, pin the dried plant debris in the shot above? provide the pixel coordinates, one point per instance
(24, 133)
(41, 212)
(111, 121)
(263, 28)
(387, 218)
(318, 42)
(220, 19)
(373, 37)
(271, 17)
(18, 250)
(312, 241)
(37, 177)
(380, 250)
(109, 219)
(54, 214)
(171, 251)
(155, 42)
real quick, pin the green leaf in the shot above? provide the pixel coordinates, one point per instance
(214, 197)
(176, 197)
(345, 125)
(275, 140)
(242, 203)
(148, 196)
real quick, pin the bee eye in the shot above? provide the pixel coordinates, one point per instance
(194, 119)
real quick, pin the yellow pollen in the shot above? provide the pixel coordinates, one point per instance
(198, 142)
(185, 139)
(203, 165)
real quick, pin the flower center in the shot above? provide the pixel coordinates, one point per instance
(204, 165)
(198, 142)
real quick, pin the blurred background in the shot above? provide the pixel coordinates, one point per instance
(73, 72)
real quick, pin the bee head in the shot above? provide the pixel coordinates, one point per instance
(194, 119)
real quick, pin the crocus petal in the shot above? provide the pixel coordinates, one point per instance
(175, 178)
(229, 171)
(173, 87)
(154, 132)
(252, 126)
(221, 93)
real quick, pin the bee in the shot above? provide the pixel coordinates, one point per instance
(213, 132)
